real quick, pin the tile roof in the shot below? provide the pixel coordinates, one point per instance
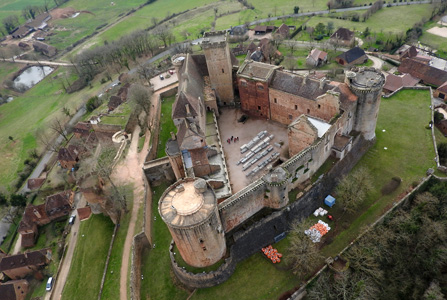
(283, 29)
(35, 183)
(190, 136)
(257, 70)
(343, 34)
(317, 54)
(35, 258)
(428, 74)
(59, 203)
(352, 54)
(394, 82)
(443, 87)
(341, 141)
(84, 213)
(297, 85)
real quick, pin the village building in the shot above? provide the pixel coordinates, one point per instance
(283, 30)
(14, 290)
(316, 119)
(396, 82)
(21, 265)
(38, 23)
(441, 91)
(35, 183)
(354, 56)
(45, 49)
(69, 157)
(56, 206)
(263, 29)
(316, 58)
(427, 74)
(342, 36)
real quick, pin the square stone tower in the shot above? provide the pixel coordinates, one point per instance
(218, 61)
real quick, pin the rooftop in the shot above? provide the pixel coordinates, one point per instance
(253, 69)
(187, 203)
(321, 126)
(367, 78)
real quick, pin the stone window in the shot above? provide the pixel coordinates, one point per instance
(243, 83)
(223, 71)
(259, 108)
(319, 106)
(260, 87)
(290, 117)
(308, 111)
(276, 101)
(296, 107)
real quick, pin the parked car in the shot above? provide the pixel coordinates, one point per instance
(162, 77)
(72, 219)
(171, 72)
(49, 284)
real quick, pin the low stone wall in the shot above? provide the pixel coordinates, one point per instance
(139, 243)
(203, 280)
(408, 88)
(158, 171)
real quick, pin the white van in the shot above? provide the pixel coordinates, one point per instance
(49, 284)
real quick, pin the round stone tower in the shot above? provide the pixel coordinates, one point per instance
(277, 182)
(366, 84)
(189, 209)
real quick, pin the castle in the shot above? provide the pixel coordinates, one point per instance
(319, 118)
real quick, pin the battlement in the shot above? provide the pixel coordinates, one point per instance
(365, 80)
(215, 39)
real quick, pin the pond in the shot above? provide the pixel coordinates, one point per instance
(31, 76)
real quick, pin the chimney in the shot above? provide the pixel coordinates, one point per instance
(173, 136)
(37, 213)
(188, 111)
(305, 79)
(322, 83)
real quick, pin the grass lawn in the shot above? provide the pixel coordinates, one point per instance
(387, 20)
(112, 283)
(166, 125)
(89, 258)
(408, 155)
(155, 265)
(69, 30)
(29, 112)
(14, 7)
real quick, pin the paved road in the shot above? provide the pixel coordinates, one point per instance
(59, 282)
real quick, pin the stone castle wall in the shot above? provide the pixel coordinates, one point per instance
(262, 233)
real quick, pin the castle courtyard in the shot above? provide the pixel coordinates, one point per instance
(229, 126)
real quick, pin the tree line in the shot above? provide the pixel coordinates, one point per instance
(404, 257)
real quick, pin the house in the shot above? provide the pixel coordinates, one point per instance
(316, 58)
(406, 51)
(55, 207)
(262, 29)
(441, 91)
(21, 265)
(38, 23)
(45, 49)
(354, 56)
(395, 82)
(239, 49)
(251, 48)
(283, 30)
(342, 36)
(14, 290)
(426, 73)
(69, 157)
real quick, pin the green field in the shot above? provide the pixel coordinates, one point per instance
(387, 20)
(14, 7)
(166, 124)
(29, 112)
(112, 282)
(89, 258)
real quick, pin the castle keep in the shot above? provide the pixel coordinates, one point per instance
(320, 118)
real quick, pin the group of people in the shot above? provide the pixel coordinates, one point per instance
(232, 139)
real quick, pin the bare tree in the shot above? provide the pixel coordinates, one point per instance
(10, 23)
(146, 72)
(291, 45)
(47, 141)
(303, 256)
(164, 34)
(58, 126)
(141, 96)
(353, 189)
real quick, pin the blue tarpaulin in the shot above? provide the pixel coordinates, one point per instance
(329, 201)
